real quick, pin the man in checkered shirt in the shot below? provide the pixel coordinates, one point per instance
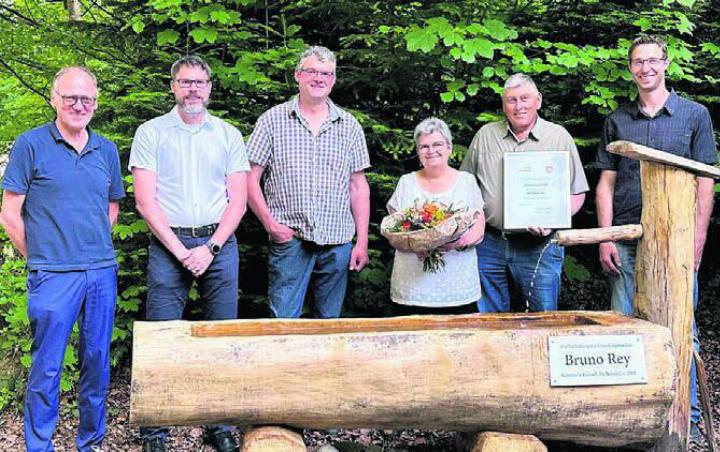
(315, 196)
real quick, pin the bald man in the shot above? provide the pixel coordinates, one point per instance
(62, 188)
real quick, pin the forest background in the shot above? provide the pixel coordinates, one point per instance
(398, 63)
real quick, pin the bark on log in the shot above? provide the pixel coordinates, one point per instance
(664, 276)
(506, 442)
(272, 439)
(642, 153)
(569, 237)
(471, 373)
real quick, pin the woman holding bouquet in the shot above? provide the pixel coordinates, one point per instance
(456, 284)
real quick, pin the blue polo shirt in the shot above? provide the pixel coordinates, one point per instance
(66, 198)
(682, 127)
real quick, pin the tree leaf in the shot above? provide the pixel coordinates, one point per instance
(498, 30)
(447, 97)
(167, 37)
(684, 25)
(480, 46)
(420, 39)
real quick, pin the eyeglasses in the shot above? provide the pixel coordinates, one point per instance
(71, 101)
(652, 62)
(188, 82)
(436, 146)
(315, 72)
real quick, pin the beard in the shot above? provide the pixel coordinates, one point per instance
(192, 109)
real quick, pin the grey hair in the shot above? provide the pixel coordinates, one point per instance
(323, 54)
(519, 79)
(67, 69)
(190, 60)
(432, 125)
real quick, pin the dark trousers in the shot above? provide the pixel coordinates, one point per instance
(168, 287)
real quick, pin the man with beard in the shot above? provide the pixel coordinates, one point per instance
(315, 196)
(62, 191)
(189, 170)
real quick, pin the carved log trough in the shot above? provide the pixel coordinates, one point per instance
(465, 373)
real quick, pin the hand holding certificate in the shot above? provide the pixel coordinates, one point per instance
(536, 190)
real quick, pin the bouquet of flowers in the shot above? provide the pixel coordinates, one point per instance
(423, 228)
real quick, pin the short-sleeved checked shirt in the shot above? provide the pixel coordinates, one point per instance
(682, 127)
(485, 160)
(307, 177)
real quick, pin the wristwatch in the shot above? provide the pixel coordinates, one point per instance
(213, 247)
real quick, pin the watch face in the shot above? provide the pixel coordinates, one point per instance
(214, 247)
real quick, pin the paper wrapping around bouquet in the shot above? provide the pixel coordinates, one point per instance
(425, 240)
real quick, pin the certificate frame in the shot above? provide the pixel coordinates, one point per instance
(536, 190)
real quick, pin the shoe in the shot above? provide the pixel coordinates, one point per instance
(222, 442)
(96, 448)
(153, 445)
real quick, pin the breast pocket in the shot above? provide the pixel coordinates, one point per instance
(676, 141)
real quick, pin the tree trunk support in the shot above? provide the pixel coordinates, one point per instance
(505, 442)
(272, 439)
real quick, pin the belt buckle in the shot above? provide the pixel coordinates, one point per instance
(195, 231)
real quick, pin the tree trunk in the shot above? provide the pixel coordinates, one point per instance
(664, 276)
(73, 8)
(465, 373)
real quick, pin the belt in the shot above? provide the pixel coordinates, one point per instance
(512, 236)
(197, 231)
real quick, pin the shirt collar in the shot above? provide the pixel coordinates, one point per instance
(176, 120)
(332, 109)
(535, 133)
(92, 143)
(669, 107)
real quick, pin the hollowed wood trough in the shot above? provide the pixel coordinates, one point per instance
(465, 373)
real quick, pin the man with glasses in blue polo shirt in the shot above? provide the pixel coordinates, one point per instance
(189, 170)
(659, 119)
(61, 197)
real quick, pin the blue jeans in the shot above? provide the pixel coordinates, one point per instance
(294, 265)
(510, 264)
(56, 300)
(168, 287)
(623, 285)
(622, 290)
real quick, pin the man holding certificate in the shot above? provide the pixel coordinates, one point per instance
(544, 186)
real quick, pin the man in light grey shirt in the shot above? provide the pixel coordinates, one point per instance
(510, 261)
(189, 171)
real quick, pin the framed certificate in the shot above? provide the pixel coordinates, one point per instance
(536, 189)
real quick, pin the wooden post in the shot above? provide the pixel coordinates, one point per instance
(506, 442)
(664, 276)
(665, 263)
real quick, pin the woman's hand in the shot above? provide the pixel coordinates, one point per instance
(471, 237)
